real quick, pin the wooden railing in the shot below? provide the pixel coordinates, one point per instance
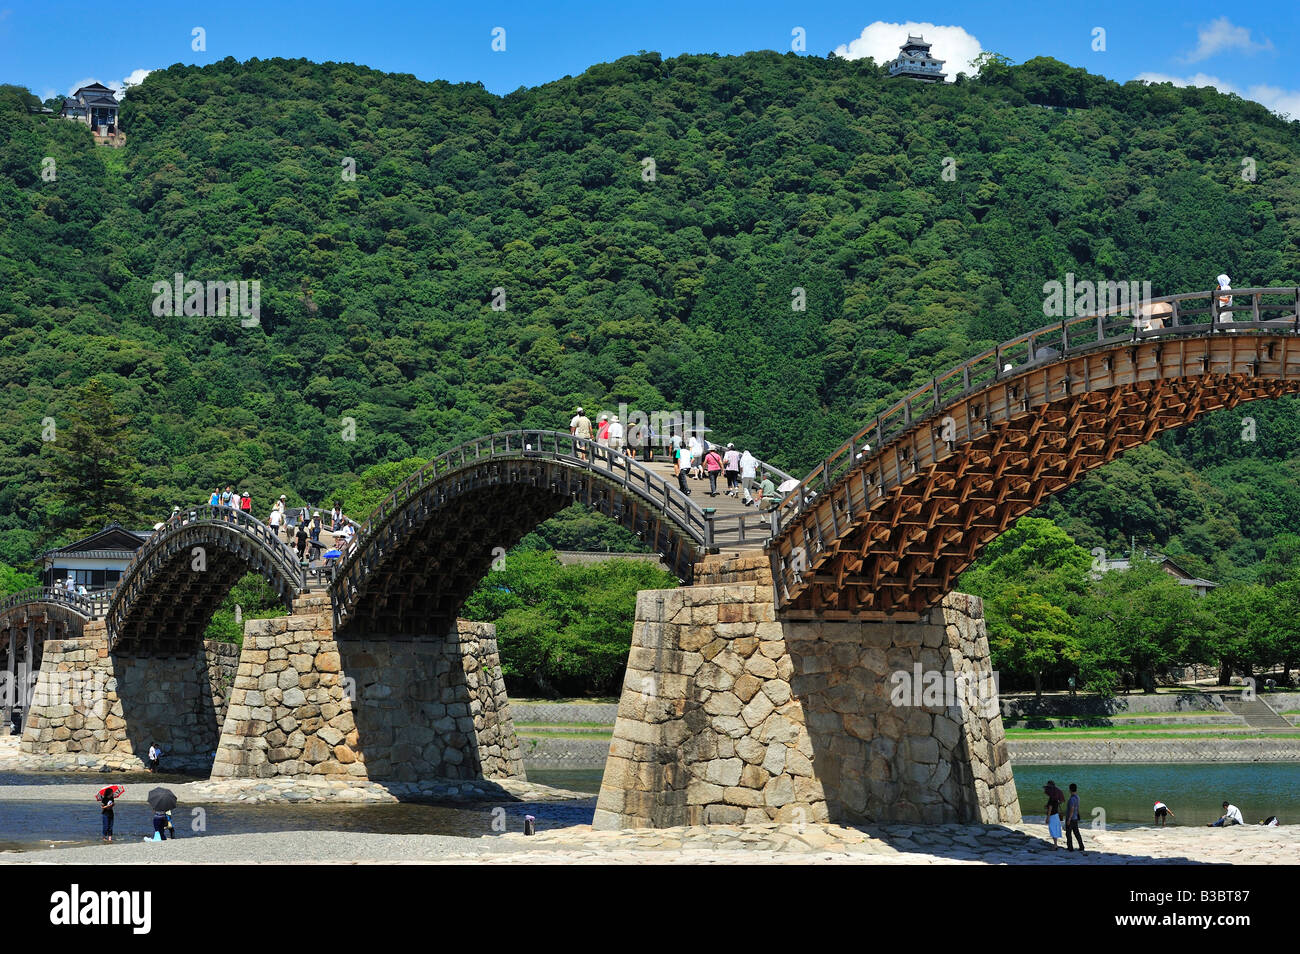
(1172, 316)
(92, 605)
(577, 453)
(228, 518)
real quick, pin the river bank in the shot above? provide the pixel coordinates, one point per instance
(714, 844)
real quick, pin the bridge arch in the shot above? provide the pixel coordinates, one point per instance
(884, 526)
(177, 580)
(426, 547)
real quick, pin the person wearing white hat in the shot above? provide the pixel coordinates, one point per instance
(615, 434)
(1225, 301)
(580, 427)
(276, 520)
(602, 430)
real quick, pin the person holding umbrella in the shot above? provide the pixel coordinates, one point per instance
(162, 801)
(107, 798)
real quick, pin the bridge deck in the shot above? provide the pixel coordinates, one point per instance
(731, 514)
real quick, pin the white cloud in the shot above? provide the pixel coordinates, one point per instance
(1285, 102)
(1222, 35)
(117, 86)
(881, 41)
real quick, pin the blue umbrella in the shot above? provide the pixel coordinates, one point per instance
(331, 554)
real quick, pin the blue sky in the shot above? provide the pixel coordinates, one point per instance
(50, 47)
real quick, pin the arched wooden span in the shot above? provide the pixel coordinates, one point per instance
(884, 526)
(176, 581)
(427, 546)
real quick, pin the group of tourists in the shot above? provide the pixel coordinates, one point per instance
(291, 525)
(696, 460)
(1055, 797)
(163, 826)
(693, 459)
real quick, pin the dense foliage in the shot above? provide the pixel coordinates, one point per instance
(1052, 614)
(563, 630)
(770, 173)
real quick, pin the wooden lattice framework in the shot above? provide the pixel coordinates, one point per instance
(883, 530)
(430, 544)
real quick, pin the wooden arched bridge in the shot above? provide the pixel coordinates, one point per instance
(885, 524)
(881, 528)
(424, 549)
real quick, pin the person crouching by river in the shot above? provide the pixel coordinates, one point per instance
(1231, 816)
(1162, 811)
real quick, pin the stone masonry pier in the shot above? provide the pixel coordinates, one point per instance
(292, 702)
(729, 715)
(305, 703)
(103, 709)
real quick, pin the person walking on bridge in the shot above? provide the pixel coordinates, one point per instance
(615, 435)
(276, 520)
(1223, 301)
(580, 427)
(215, 499)
(713, 467)
(731, 467)
(748, 470)
(246, 504)
(682, 466)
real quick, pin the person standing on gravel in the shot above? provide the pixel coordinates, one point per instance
(1072, 819)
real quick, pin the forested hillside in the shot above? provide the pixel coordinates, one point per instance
(673, 290)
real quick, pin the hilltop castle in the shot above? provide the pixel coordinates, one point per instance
(915, 61)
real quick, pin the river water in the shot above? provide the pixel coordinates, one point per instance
(1124, 792)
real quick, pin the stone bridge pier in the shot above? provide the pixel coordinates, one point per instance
(731, 715)
(93, 708)
(307, 703)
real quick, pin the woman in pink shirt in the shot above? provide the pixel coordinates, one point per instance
(713, 467)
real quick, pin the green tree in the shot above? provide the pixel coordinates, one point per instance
(91, 467)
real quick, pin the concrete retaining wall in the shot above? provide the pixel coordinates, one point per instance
(1047, 752)
(561, 712)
